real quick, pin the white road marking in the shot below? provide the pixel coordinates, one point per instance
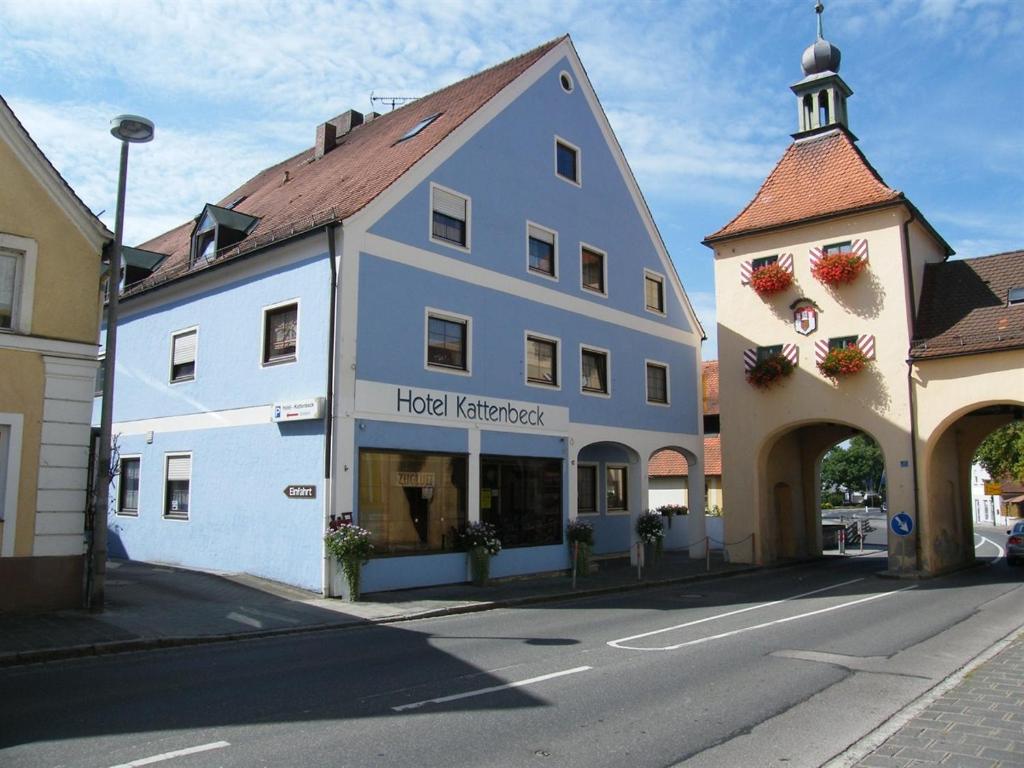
(241, 618)
(615, 643)
(982, 542)
(172, 755)
(492, 689)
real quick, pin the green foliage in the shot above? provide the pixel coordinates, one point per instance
(1002, 452)
(648, 527)
(856, 468)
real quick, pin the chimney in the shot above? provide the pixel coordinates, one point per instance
(327, 134)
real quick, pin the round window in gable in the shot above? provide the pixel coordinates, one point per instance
(566, 80)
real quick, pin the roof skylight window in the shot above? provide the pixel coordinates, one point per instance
(416, 129)
(1016, 296)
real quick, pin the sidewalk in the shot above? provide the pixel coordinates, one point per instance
(155, 606)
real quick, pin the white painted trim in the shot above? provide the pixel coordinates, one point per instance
(597, 489)
(578, 183)
(625, 477)
(604, 270)
(559, 371)
(44, 346)
(473, 481)
(455, 269)
(453, 317)
(650, 273)
(554, 255)
(668, 384)
(38, 165)
(170, 356)
(263, 333)
(24, 281)
(15, 421)
(163, 493)
(607, 370)
(468, 247)
(117, 496)
(190, 422)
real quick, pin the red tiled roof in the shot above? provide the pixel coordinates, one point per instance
(303, 193)
(709, 380)
(818, 176)
(964, 307)
(670, 463)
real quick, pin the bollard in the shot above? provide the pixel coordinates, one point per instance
(639, 560)
(707, 554)
(860, 530)
(575, 560)
(842, 540)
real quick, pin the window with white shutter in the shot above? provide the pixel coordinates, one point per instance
(183, 355)
(449, 222)
(177, 486)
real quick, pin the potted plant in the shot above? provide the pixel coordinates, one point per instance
(844, 361)
(838, 268)
(767, 372)
(481, 541)
(669, 510)
(350, 545)
(581, 541)
(770, 279)
(650, 532)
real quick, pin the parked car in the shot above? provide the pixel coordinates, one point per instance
(1015, 544)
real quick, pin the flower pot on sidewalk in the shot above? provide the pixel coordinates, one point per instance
(479, 565)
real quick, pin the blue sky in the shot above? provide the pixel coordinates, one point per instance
(697, 92)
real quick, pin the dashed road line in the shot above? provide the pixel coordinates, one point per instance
(171, 755)
(492, 689)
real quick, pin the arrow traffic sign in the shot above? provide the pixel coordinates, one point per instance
(901, 524)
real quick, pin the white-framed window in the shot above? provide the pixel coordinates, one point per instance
(1015, 296)
(541, 250)
(763, 261)
(565, 80)
(593, 270)
(568, 162)
(657, 383)
(17, 282)
(184, 345)
(617, 488)
(586, 489)
(280, 333)
(101, 375)
(834, 249)
(542, 363)
(595, 371)
(448, 342)
(177, 485)
(129, 474)
(654, 292)
(449, 217)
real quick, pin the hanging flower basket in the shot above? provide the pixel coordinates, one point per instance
(770, 279)
(769, 372)
(842, 362)
(838, 268)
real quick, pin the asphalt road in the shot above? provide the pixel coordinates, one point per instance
(782, 668)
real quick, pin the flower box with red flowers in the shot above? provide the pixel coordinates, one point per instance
(770, 279)
(770, 371)
(838, 268)
(842, 362)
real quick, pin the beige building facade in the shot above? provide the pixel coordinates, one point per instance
(927, 411)
(50, 255)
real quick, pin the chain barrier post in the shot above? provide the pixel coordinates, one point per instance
(575, 560)
(860, 530)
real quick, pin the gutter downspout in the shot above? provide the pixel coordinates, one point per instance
(329, 407)
(912, 306)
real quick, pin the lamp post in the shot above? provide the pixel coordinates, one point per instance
(130, 129)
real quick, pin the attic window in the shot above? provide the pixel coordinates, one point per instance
(236, 201)
(416, 129)
(1016, 296)
(219, 228)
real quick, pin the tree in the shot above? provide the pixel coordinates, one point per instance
(1002, 453)
(856, 467)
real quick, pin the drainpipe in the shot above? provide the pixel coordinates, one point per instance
(911, 293)
(329, 405)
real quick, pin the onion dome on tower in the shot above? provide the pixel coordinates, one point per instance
(821, 95)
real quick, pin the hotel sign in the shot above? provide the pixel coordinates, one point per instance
(397, 400)
(298, 410)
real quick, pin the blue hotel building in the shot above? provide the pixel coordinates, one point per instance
(461, 310)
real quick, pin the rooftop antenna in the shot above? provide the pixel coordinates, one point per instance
(392, 101)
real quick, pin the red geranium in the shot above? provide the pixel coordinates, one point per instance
(769, 371)
(837, 268)
(842, 362)
(770, 279)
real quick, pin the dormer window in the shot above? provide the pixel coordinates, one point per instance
(1015, 296)
(219, 228)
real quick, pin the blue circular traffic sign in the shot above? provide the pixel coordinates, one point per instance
(901, 524)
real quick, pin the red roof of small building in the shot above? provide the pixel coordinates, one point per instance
(818, 177)
(965, 307)
(304, 193)
(671, 463)
(709, 380)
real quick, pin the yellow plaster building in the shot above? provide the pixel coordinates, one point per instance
(829, 266)
(50, 254)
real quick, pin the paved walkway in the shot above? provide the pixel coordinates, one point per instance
(976, 723)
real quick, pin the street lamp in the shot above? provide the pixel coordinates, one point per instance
(130, 129)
